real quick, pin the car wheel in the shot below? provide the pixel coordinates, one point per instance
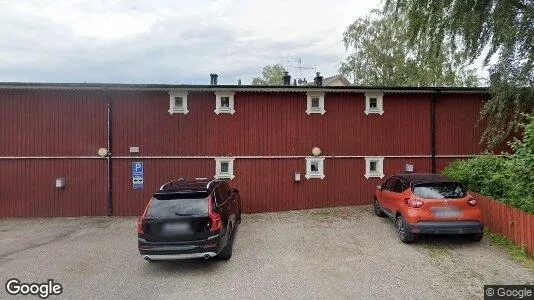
(239, 216)
(404, 234)
(477, 237)
(226, 252)
(377, 210)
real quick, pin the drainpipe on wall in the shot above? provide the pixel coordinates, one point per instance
(433, 130)
(109, 157)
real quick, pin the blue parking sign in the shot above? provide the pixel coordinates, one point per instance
(137, 175)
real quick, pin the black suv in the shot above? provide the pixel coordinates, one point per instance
(190, 219)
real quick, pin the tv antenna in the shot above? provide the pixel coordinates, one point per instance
(299, 66)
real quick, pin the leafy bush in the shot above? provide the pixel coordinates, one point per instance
(508, 178)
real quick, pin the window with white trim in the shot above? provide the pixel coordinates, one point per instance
(315, 103)
(224, 168)
(178, 102)
(374, 167)
(374, 103)
(314, 167)
(224, 102)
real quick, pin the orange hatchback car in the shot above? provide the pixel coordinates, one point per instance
(428, 204)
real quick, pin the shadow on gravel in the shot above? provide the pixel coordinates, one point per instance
(184, 266)
(446, 239)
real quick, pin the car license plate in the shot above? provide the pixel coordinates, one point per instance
(177, 227)
(446, 213)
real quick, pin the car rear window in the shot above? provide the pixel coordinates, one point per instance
(440, 190)
(178, 204)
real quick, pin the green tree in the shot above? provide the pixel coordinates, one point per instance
(271, 75)
(382, 55)
(498, 32)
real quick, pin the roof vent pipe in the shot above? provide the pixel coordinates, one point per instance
(287, 78)
(213, 79)
(318, 80)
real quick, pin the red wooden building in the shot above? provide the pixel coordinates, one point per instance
(260, 137)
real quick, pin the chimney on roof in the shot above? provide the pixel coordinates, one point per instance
(213, 79)
(287, 78)
(294, 82)
(318, 80)
(239, 82)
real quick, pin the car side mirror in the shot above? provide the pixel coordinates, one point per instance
(379, 187)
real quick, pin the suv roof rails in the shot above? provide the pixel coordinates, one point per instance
(184, 182)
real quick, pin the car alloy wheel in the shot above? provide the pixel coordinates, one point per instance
(401, 228)
(376, 207)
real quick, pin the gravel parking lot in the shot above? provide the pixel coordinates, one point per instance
(343, 252)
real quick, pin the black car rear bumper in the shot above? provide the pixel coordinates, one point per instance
(178, 250)
(448, 227)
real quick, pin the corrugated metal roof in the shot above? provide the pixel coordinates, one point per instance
(251, 88)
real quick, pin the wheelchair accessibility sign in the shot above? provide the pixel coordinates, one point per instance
(137, 175)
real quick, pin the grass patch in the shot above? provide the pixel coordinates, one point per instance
(517, 253)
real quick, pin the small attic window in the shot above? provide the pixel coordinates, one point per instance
(374, 103)
(315, 103)
(224, 102)
(178, 102)
(224, 168)
(314, 167)
(374, 167)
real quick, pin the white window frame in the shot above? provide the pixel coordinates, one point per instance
(379, 173)
(218, 101)
(178, 110)
(314, 175)
(379, 109)
(315, 110)
(227, 175)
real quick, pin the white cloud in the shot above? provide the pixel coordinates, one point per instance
(169, 41)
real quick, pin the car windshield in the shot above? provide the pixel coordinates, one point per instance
(440, 190)
(178, 204)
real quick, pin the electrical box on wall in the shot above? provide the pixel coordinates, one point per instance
(297, 177)
(60, 183)
(134, 150)
(408, 168)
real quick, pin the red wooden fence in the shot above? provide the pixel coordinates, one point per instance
(510, 222)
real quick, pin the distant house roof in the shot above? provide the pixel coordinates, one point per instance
(336, 80)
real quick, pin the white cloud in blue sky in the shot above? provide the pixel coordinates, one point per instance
(170, 41)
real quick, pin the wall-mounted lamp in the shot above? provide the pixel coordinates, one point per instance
(134, 150)
(103, 152)
(408, 168)
(316, 151)
(60, 183)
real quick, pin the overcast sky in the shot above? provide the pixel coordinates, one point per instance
(170, 41)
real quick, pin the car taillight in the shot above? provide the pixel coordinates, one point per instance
(214, 217)
(472, 202)
(413, 202)
(141, 221)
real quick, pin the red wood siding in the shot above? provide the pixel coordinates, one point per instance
(270, 124)
(130, 202)
(264, 184)
(457, 116)
(52, 123)
(73, 123)
(28, 189)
